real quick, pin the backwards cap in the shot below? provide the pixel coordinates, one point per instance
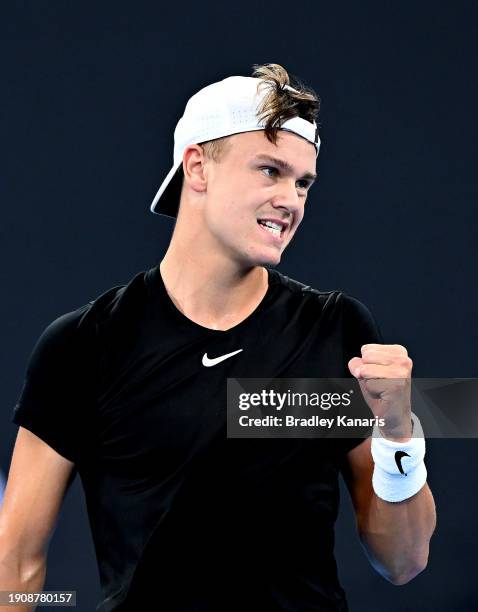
(221, 109)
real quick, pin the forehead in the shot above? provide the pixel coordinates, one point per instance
(289, 146)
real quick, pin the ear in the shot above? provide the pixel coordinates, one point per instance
(194, 164)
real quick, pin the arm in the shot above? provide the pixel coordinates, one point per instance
(38, 480)
(395, 535)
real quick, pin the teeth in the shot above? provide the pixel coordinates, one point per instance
(272, 224)
(272, 230)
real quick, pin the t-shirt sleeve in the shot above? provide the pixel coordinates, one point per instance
(359, 327)
(57, 399)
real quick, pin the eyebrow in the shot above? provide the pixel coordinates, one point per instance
(285, 166)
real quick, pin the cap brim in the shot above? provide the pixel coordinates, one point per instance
(166, 201)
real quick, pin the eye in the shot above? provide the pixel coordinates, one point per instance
(305, 184)
(269, 168)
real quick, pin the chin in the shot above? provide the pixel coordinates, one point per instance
(266, 259)
(254, 255)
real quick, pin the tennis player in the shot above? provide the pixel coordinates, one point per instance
(129, 391)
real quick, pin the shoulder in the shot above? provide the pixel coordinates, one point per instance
(82, 323)
(349, 312)
(301, 290)
(351, 306)
(120, 299)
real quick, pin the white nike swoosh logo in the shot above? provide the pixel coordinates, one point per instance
(211, 362)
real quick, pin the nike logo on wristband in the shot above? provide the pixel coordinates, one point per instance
(398, 460)
(206, 361)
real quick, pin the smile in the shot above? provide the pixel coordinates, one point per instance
(273, 230)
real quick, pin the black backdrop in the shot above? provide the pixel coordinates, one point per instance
(91, 92)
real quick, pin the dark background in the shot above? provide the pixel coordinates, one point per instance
(91, 92)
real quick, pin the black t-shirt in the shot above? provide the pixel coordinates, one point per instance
(183, 518)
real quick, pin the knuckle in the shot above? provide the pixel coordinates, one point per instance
(403, 350)
(404, 361)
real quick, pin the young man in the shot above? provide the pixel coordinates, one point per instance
(130, 390)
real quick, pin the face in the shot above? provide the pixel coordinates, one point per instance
(256, 181)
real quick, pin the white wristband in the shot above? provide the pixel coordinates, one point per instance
(399, 470)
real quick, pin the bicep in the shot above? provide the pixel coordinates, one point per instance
(37, 482)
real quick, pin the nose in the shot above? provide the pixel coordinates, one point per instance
(287, 198)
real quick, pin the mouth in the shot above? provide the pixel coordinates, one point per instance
(276, 228)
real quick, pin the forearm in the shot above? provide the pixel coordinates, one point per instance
(396, 535)
(17, 575)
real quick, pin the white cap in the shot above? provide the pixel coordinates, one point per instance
(220, 109)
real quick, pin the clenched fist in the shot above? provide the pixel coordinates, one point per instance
(384, 374)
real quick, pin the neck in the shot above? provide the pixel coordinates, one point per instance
(210, 289)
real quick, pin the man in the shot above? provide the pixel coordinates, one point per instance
(130, 390)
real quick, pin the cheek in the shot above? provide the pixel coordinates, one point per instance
(297, 222)
(227, 217)
(300, 216)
